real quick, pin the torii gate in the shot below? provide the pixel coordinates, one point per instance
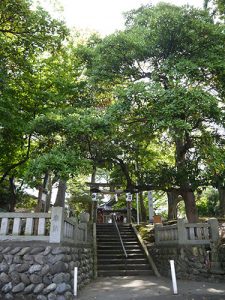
(95, 188)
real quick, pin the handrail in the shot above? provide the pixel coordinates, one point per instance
(121, 241)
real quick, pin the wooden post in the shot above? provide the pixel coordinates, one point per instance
(94, 211)
(94, 207)
(57, 225)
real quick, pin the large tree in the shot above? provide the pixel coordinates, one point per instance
(25, 35)
(169, 65)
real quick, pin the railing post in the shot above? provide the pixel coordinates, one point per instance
(214, 229)
(182, 233)
(29, 226)
(57, 225)
(16, 226)
(4, 226)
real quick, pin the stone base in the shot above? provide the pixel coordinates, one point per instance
(43, 271)
(191, 262)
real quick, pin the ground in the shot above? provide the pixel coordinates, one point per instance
(150, 288)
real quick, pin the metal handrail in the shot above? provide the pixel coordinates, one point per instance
(121, 241)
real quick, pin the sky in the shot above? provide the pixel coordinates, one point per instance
(103, 16)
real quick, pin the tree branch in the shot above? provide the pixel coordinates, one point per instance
(13, 166)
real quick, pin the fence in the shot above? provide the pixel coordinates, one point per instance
(51, 227)
(184, 233)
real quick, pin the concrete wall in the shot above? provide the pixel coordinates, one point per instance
(43, 271)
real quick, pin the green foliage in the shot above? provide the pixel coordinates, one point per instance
(23, 41)
(80, 198)
(146, 232)
(208, 204)
(145, 103)
(26, 202)
(164, 66)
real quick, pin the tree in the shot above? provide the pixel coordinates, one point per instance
(168, 63)
(25, 34)
(216, 7)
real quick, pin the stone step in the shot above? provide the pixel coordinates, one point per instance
(113, 242)
(112, 225)
(110, 256)
(115, 236)
(109, 239)
(120, 255)
(124, 267)
(126, 241)
(103, 261)
(108, 273)
(115, 253)
(117, 246)
(115, 231)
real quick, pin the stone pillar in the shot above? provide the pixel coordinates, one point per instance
(129, 199)
(157, 233)
(215, 264)
(95, 264)
(150, 207)
(128, 212)
(57, 225)
(181, 231)
(214, 229)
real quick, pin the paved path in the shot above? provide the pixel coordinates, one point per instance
(150, 288)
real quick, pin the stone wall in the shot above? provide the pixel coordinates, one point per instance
(221, 256)
(43, 271)
(191, 262)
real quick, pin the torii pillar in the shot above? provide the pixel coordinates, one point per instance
(129, 199)
(94, 207)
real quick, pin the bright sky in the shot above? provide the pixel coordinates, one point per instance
(104, 16)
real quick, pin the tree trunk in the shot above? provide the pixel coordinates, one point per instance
(143, 213)
(61, 194)
(39, 207)
(173, 200)
(42, 188)
(12, 188)
(221, 201)
(125, 170)
(49, 195)
(183, 144)
(190, 206)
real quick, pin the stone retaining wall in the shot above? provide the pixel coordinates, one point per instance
(221, 256)
(191, 262)
(43, 271)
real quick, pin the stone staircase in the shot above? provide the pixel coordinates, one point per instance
(111, 260)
